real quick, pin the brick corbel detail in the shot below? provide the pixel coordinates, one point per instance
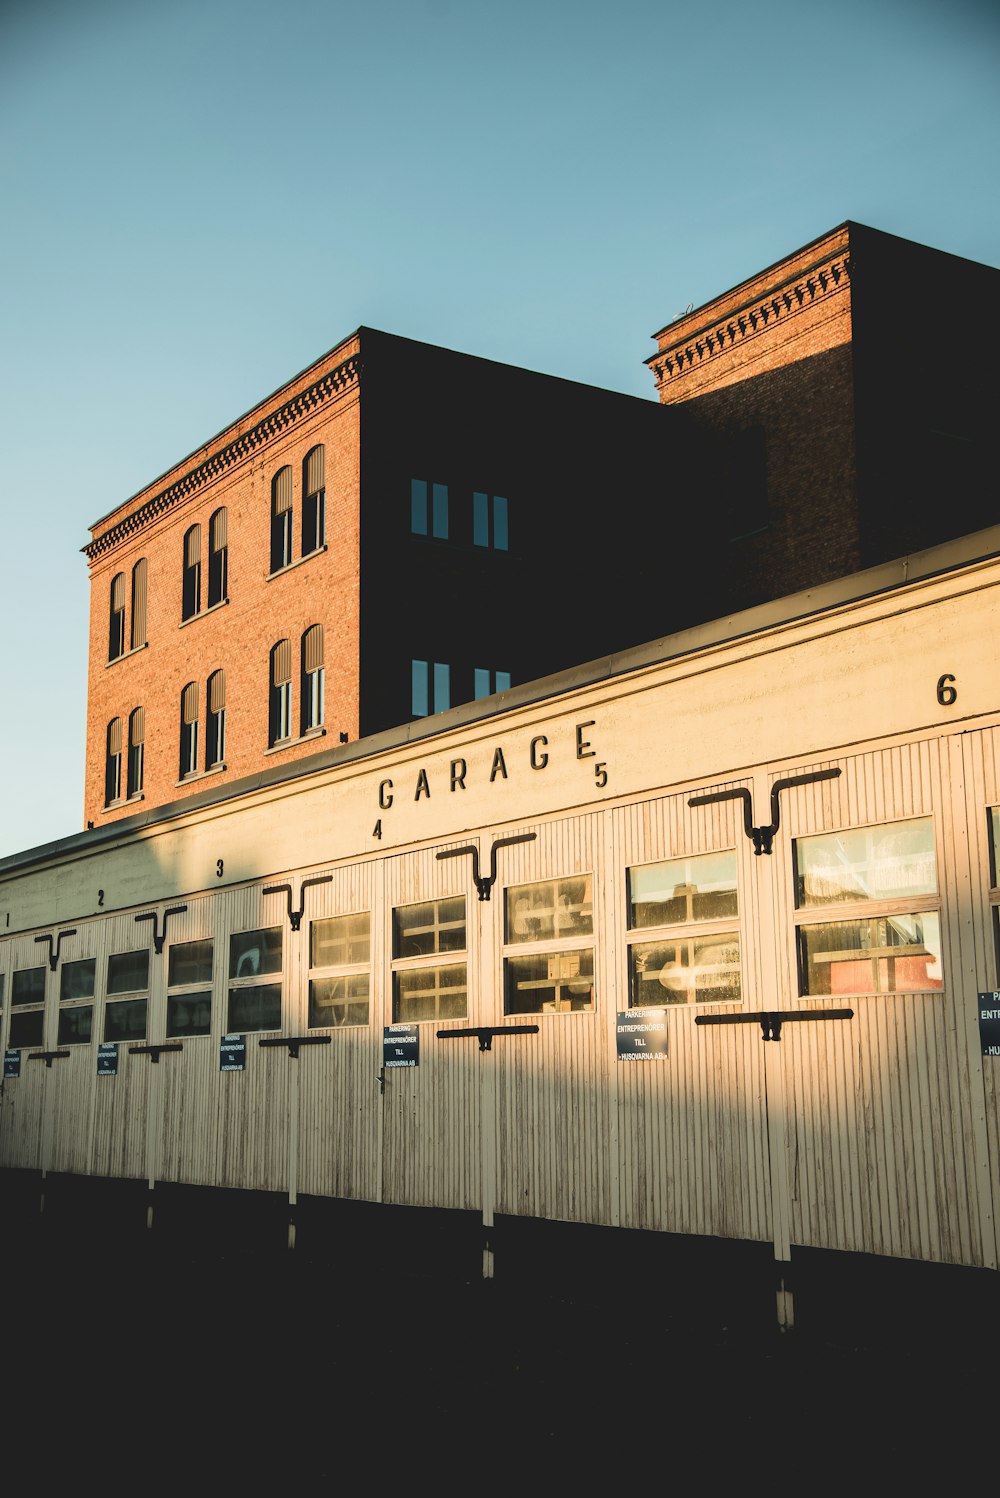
(300, 406)
(752, 320)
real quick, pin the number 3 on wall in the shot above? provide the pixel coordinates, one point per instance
(947, 693)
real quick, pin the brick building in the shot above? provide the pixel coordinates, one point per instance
(849, 392)
(401, 528)
(344, 557)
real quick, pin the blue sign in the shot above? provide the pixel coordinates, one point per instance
(12, 1063)
(989, 1023)
(400, 1046)
(642, 1035)
(107, 1059)
(233, 1053)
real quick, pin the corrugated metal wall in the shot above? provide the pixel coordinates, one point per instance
(874, 1134)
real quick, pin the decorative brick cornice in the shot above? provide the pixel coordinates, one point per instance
(272, 425)
(753, 318)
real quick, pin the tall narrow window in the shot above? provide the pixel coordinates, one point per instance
(27, 997)
(487, 682)
(128, 996)
(314, 500)
(549, 946)
(218, 557)
(430, 687)
(281, 693)
(189, 988)
(281, 519)
(215, 724)
(312, 678)
(429, 509)
(113, 762)
(116, 619)
(139, 574)
(76, 1015)
(136, 749)
(423, 986)
(191, 589)
(339, 956)
(489, 521)
(189, 729)
(254, 1003)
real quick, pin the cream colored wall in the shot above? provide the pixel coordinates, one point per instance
(876, 1134)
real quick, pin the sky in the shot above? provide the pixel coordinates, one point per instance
(200, 197)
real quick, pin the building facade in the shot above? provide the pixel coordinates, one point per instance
(397, 530)
(699, 941)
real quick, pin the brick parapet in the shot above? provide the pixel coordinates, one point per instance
(797, 308)
(328, 378)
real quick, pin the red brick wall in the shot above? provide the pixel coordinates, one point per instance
(236, 636)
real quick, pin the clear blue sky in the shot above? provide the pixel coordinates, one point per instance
(200, 197)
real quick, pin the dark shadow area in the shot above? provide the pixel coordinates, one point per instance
(182, 1355)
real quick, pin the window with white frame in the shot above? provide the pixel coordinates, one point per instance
(77, 981)
(136, 749)
(280, 694)
(313, 678)
(218, 557)
(113, 762)
(867, 910)
(125, 1009)
(140, 575)
(314, 500)
(189, 730)
(423, 986)
(189, 988)
(255, 959)
(215, 720)
(339, 957)
(683, 937)
(116, 619)
(281, 519)
(548, 958)
(191, 575)
(27, 1008)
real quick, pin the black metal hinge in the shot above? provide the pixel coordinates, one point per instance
(483, 883)
(763, 837)
(295, 916)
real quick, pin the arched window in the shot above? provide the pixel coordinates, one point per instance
(281, 519)
(189, 730)
(139, 573)
(312, 678)
(116, 620)
(280, 714)
(314, 500)
(215, 725)
(113, 757)
(218, 557)
(191, 590)
(136, 747)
